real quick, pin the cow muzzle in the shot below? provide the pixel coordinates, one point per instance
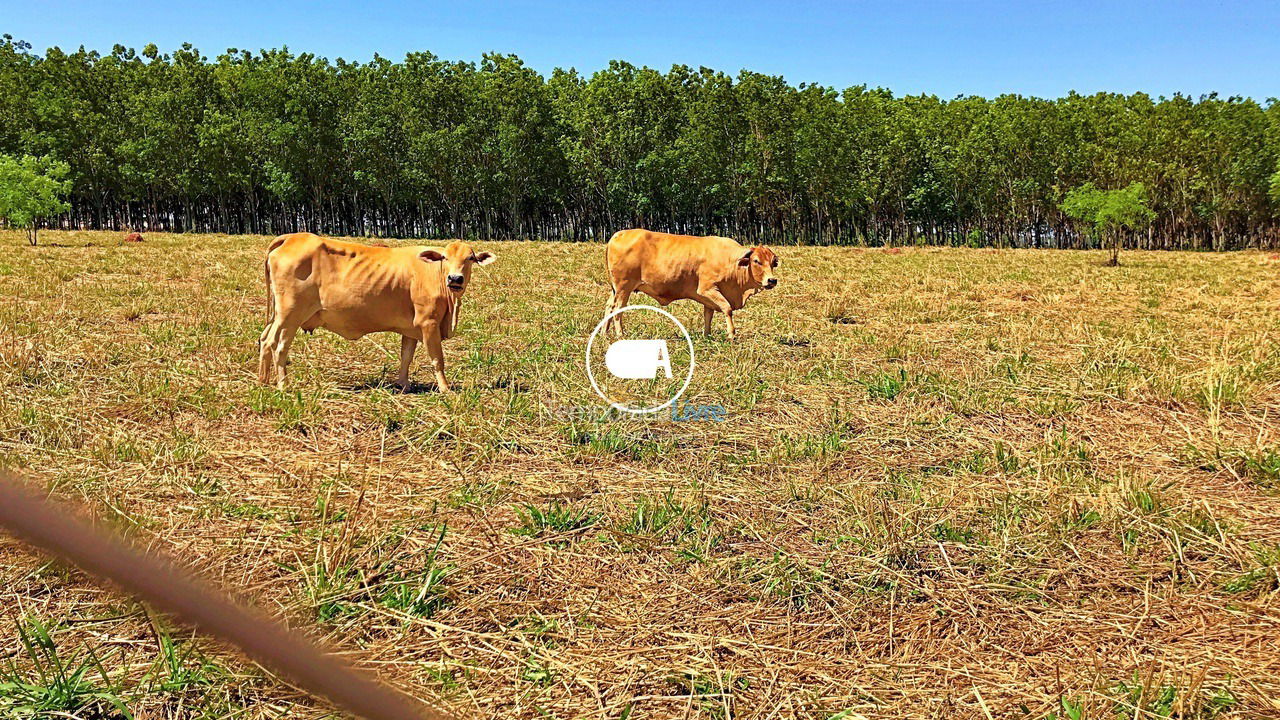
(771, 283)
(455, 282)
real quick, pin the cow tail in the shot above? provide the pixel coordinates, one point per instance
(266, 276)
(608, 264)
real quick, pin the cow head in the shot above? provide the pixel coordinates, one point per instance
(456, 260)
(759, 263)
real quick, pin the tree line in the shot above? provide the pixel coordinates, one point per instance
(272, 141)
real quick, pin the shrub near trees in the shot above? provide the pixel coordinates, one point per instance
(1109, 216)
(274, 141)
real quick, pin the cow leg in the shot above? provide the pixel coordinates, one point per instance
(284, 328)
(265, 366)
(712, 297)
(707, 314)
(431, 337)
(608, 308)
(621, 296)
(407, 347)
(282, 336)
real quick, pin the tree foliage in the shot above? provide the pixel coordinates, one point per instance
(31, 189)
(275, 141)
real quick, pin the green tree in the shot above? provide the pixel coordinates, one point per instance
(273, 141)
(31, 189)
(1109, 214)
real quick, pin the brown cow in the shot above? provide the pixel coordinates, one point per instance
(354, 290)
(715, 271)
(133, 237)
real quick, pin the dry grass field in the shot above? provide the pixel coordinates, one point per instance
(952, 484)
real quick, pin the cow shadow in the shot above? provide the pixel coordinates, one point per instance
(414, 388)
(419, 388)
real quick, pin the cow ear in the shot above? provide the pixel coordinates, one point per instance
(430, 255)
(745, 260)
(485, 257)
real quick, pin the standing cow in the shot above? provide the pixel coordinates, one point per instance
(354, 290)
(715, 271)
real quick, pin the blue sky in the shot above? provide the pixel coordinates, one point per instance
(946, 48)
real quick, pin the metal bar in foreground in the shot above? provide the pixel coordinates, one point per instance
(57, 529)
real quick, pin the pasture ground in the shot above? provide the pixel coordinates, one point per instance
(952, 484)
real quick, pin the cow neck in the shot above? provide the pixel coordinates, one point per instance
(741, 285)
(452, 303)
(430, 282)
